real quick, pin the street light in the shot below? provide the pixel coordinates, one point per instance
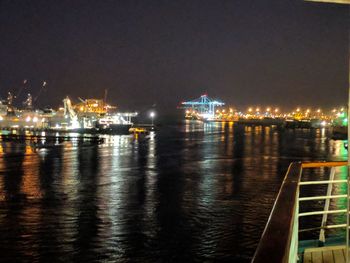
(152, 115)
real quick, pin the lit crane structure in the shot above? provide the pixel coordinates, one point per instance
(204, 106)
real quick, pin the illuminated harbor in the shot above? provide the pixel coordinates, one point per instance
(174, 131)
(206, 109)
(88, 116)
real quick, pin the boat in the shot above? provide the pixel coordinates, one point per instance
(27, 118)
(340, 127)
(113, 124)
(339, 132)
(309, 221)
(91, 116)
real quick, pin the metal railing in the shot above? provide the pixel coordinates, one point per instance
(326, 211)
(280, 240)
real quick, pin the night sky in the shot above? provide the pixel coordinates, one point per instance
(245, 52)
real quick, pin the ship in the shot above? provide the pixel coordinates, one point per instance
(316, 190)
(340, 127)
(26, 118)
(91, 116)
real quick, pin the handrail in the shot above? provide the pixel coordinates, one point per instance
(326, 211)
(322, 164)
(315, 213)
(323, 182)
(312, 198)
(276, 241)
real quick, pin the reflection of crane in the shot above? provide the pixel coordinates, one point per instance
(204, 105)
(69, 112)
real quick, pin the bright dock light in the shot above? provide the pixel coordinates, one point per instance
(152, 115)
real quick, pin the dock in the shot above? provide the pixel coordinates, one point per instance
(332, 254)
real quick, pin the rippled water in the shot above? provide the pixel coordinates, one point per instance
(190, 192)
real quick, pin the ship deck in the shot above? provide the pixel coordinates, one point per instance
(332, 254)
(284, 239)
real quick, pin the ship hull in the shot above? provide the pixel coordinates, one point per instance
(116, 129)
(340, 132)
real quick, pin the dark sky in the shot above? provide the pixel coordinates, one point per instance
(246, 52)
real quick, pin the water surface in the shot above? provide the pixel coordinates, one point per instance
(191, 192)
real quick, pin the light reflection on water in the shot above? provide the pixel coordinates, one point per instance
(192, 192)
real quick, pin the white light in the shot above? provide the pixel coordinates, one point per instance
(1, 118)
(75, 124)
(206, 116)
(35, 119)
(28, 119)
(152, 114)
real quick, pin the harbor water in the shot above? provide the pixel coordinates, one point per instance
(190, 192)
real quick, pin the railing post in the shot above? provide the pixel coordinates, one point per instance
(322, 237)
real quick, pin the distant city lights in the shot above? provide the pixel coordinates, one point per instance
(256, 112)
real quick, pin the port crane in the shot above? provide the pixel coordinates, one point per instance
(70, 113)
(204, 105)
